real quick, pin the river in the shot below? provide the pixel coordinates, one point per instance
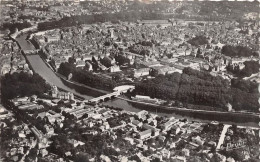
(40, 67)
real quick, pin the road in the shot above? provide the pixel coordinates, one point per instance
(222, 136)
(191, 110)
(40, 67)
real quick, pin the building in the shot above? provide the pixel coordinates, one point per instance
(163, 70)
(198, 140)
(145, 134)
(155, 131)
(144, 99)
(75, 143)
(175, 129)
(62, 95)
(178, 159)
(29, 106)
(58, 61)
(88, 66)
(80, 64)
(141, 72)
(167, 61)
(142, 114)
(137, 123)
(87, 58)
(149, 63)
(114, 68)
(79, 112)
(168, 124)
(49, 129)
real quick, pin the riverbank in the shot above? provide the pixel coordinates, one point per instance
(216, 115)
(83, 85)
(186, 109)
(32, 28)
(73, 82)
(220, 116)
(39, 66)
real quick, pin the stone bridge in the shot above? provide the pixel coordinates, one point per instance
(117, 91)
(31, 52)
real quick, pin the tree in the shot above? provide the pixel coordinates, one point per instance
(32, 155)
(107, 43)
(240, 51)
(251, 67)
(201, 88)
(66, 68)
(198, 40)
(72, 60)
(22, 84)
(155, 160)
(121, 59)
(117, 77)
(159, 26)
(244, 85)
(82, 157)
(237, 155)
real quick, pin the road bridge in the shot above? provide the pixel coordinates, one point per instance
(117, 91)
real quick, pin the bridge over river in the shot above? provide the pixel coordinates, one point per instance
(40, 67)
(117, 91)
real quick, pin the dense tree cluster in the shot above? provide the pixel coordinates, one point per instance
(201, 88)
(13, 26)
(22, 84)
(95, 145)
(85, 77)
(240, 51)
(198, 40)
(139, 49)
(198, 10)
(100, 18)
(81, 157)
(164, 87)
(66, 68)
(244, 85)
(147, 43)
(242, 100)
(251, 67)
(88, 78)
(121, 59)
(116, 121)
(30, 17)
(23, 7)
(223, 10)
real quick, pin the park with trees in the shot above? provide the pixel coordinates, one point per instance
(85, 77)
(237, 51)
(198, 40)
(22, 84)
(13, 26)
(131, 16)
(251, 67)
(201, 88)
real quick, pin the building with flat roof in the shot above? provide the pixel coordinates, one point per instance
(145, 134)
(29, 106)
